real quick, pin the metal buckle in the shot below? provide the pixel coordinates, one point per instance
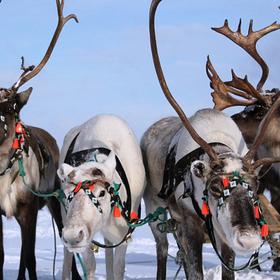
(94, 248)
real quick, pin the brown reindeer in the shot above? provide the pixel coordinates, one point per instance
(28, 162)
(257, 103)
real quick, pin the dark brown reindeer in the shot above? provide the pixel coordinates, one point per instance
(28, 162)
(257, 103)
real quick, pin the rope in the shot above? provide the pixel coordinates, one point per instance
(151, 217)
(177, 273)
(82, 265)
(54, 256)
(59, 194)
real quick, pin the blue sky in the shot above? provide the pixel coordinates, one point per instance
(104, 65)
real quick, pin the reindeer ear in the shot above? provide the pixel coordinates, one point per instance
(23, 97)
(110, 167)
(66, 172)
(200, 168)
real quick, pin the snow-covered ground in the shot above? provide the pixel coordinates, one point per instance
(140, 260)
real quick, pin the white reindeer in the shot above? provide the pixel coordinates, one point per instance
(92, 150)
(203, 172)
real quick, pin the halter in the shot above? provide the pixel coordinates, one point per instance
(87, 187)
(9, 106)
(117, 206)
(176, 172)
(19, 144)
(231, 182)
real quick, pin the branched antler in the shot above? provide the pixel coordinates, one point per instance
(242, 88)
(249, 157)
(27, 75)
(25, 69)
(222, 91)
(248, 43)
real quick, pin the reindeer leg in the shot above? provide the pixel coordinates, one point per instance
(162, 250)
(67, 263)
(21, 271)
(160, 238)
(119, 261)
(1, 249)
(27, 219)
(228, 256)
(191, 236)
(90, 263)
(109, 257)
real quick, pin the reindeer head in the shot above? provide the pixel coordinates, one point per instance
(88, 200)
(210, 173)
(11, 101)
(230, 198)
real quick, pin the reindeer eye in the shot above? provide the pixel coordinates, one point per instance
(102, 193)
(96, 172)
(215, 190)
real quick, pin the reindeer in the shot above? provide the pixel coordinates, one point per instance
(103, 178)
(257, 103)
(202, 171)
(28, 162)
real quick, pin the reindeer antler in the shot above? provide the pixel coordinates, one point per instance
(249, 157)
(242, 87)
(222, 91)
(248, 43)
(204, 145)
(29, 73)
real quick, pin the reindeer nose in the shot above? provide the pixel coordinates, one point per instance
(73, 236)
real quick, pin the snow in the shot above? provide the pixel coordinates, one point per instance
(140, 259)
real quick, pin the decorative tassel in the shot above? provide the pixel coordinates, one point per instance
(225, 182)
(264, 231)
(15, 145)
(205, 209)
(91, 187)
(134, 215)
(19, 128)
(257, 212)
(116, 212)
(78, 187)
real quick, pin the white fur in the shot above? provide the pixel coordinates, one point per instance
(212, 126)
(113, 133)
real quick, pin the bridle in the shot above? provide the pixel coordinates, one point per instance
(229, 182)
(21, 133)
(8, 107)
(119, 208)
(87, 187)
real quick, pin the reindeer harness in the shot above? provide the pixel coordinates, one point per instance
(176, 173)
(119, 207)
(23, 139)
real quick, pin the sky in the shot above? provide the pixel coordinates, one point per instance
(104, 63)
